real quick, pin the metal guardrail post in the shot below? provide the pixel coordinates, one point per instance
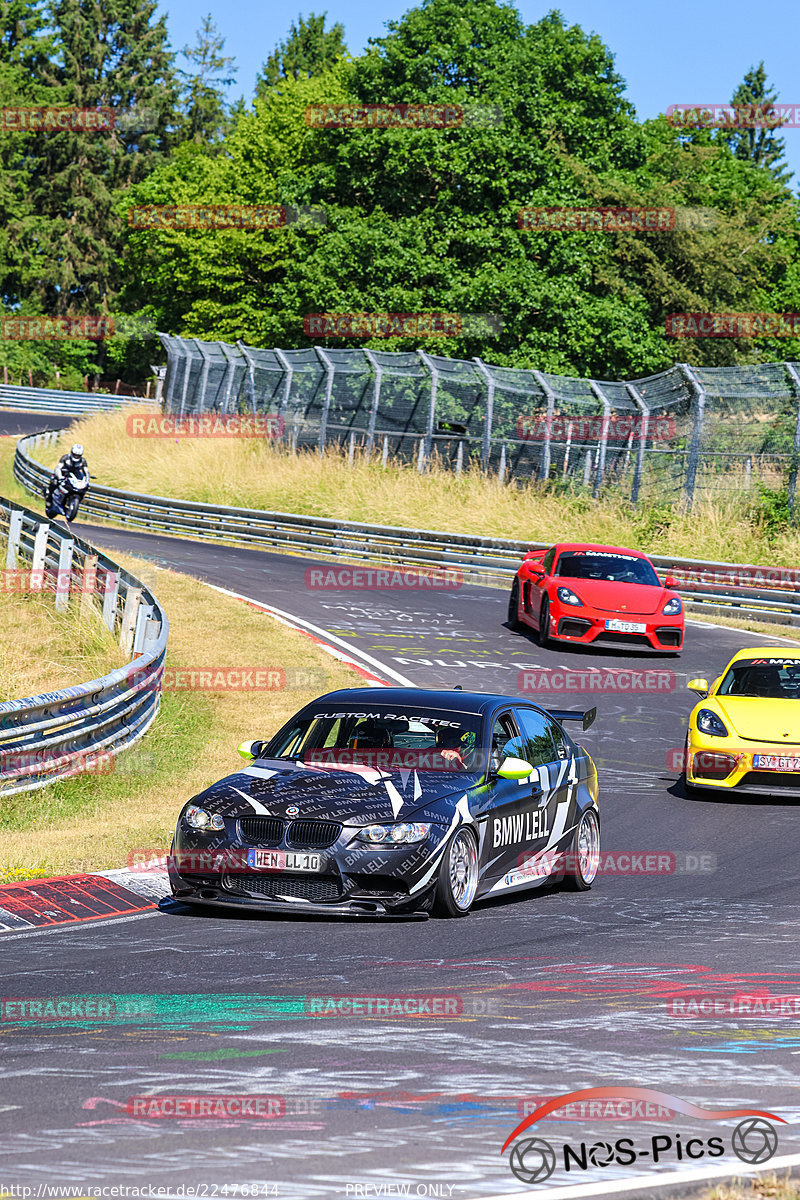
(130, 615)
(697, 432)
(64, 577)
(427, 443)
(486, 443)
(326, 404)
(550, 396)
(39, 552)
(643, 430)
(14, 532)
(791, 486)
(377, 371)
(88, 584)
(600, 469)
(143, 615)
(110, 593)
(251, 372)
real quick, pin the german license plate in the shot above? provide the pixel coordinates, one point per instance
(775, 762)
(282, 860)
(626, 626)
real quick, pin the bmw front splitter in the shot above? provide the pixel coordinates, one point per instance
(343, 908)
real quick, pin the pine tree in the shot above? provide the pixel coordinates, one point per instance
(759, 145)
(206, 110)
(309, 50)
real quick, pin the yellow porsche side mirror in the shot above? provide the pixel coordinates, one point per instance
(250, 750)
(698, 685)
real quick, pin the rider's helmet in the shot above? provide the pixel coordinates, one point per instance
(76, 454)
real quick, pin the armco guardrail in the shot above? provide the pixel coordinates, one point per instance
(57, 734)
(54, 400)
(713, 588)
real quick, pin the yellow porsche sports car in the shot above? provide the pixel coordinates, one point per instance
(744, 734)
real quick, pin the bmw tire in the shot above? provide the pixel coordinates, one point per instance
(458, 876)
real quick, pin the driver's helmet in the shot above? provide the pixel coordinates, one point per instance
(76, 455)
(370, 734)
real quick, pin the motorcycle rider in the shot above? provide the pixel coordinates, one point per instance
(72, 463)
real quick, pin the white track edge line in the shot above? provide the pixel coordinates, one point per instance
(322, 634)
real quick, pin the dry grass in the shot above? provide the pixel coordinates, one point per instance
(93, 822)
(254, 474)
(762, 1187)
(42, 650)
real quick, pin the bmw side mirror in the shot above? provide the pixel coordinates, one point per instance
(514, 768)
(698, 685)
(251, 750)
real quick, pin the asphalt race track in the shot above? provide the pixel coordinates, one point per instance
(554, 992)
(17, 423)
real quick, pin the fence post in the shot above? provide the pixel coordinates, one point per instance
(638, 400)
(550, 396)
(230, 373)
(376, 396)
(501, 470)
(697, 432)
(251, 372)
(187, 370)
(791, 487)
(14, 534)
(287, 385)
(601, 455)
(434, 373)
(385, 452)
(326, 406)
(486, 447)
(39, 551)
(64, 576)
(206, 357)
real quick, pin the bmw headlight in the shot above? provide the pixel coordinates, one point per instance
(405, 834)
(708, 722)
(567, 596)
(672, 607)
(202, 821)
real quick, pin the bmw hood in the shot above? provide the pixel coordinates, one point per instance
(358, 794)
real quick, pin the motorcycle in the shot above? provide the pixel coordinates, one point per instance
(64, 498)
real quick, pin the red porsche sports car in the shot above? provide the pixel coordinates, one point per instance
(588, 594)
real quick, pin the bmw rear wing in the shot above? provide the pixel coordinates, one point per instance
(568, 714)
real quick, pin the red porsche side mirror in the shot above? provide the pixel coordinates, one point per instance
(671, 583)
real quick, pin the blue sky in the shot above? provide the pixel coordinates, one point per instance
(672, 52)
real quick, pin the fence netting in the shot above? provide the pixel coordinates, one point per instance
(682, 432)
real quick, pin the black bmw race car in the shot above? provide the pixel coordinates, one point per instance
(391, 800)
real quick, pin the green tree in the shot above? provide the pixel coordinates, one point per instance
(204, 99)
(309, 50)
(761, 145)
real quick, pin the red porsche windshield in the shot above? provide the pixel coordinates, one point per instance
(602, 564)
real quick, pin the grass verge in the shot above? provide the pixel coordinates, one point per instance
(93, 822)
(763, 1187)
(253, 473)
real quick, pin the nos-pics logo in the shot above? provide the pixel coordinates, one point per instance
(533, 1160)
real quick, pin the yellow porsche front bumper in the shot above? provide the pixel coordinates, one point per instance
(734, 764)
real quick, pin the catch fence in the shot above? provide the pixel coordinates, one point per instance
(683, 432)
